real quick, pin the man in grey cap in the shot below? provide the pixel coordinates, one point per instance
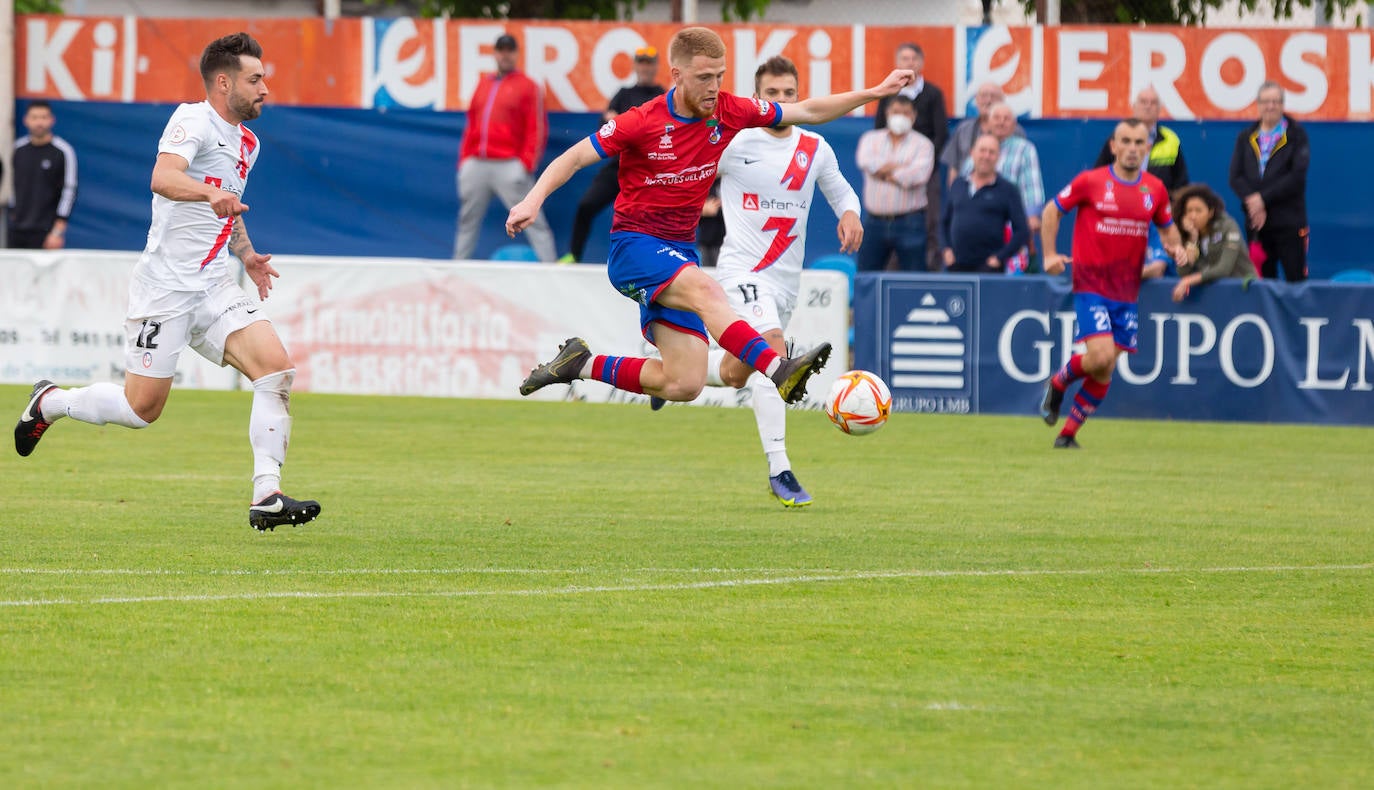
(507, 129)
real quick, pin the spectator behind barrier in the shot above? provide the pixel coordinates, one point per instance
(897, 163)
(1020, 164)
(1269, 175)
(931, 121)
(1212, 240)
(1166, 152)
(504, 139)
(961, 141)
(44, 183)
(977, 209)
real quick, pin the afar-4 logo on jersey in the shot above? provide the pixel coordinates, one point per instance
(751, 201)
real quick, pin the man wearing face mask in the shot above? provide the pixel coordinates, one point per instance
(897, 163)
(932, 120)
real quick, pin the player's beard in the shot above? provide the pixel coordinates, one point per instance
(247, 109)
(694, 106)
(1127, 171)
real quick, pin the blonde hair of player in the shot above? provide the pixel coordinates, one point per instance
(692, 41)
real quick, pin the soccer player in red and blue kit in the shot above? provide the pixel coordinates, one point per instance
(669, 149)
(1116, 205)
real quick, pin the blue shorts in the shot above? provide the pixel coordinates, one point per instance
(1098, 315)
(640, 267)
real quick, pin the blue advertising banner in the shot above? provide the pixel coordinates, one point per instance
(1266, 352)
(381, 181)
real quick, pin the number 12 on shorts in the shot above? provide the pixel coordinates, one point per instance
(148, 334)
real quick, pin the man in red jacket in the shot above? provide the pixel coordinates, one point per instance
(504, 140)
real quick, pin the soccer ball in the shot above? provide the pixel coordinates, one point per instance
(858, 402)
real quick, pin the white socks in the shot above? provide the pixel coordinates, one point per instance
(713, 359)
(771, 415)
(269, 430)
(96, 404)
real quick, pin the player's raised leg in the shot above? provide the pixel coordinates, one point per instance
(697, 292)
(152, 345)
(97, 404)
(257, 352)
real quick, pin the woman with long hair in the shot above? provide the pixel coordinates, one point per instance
(1213, 241)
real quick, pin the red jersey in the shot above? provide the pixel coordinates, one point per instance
(668, 162)
(1112, 230)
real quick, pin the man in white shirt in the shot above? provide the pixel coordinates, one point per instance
(768, 181)
(897, 162)
(182, 292)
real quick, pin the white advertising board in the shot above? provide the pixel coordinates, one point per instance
(62, 319)
(374, 326)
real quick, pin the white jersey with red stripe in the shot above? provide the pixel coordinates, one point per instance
(766, 189)
(188, 246)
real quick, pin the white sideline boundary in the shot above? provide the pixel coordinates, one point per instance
(793, 579)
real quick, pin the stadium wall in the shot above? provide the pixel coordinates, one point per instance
(366, 113)
(366, 182)
(1262, 352)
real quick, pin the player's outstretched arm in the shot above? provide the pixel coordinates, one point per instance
(819, 109)
(558, 172)
(171, 181)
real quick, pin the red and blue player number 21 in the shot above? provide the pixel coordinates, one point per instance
(782, 227)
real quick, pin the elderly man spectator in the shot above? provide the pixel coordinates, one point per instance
(1269, 175)
(968, 131)
(977, 210)
(897, 163)
(502, 144)
(931, 120)
(1019, 163)
(1166, 152)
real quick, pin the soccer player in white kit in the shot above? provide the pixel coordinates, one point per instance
(182, 292)
(768, 181)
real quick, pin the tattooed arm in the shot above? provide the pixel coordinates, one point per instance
(254, 263)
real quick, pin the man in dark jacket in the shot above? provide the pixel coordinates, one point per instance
(932, 120)
(1166, 152)
(977, 211)
(1269, 175)
(44, 183)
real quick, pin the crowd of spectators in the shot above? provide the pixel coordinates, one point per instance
(937, 199)
(934, 199)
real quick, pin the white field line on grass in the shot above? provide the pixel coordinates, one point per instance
(664, 586)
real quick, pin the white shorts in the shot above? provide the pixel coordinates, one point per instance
(160, 323)
(759, 301)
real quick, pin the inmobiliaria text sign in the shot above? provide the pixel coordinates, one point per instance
(416, 63)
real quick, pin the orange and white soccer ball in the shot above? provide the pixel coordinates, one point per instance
(858, 403)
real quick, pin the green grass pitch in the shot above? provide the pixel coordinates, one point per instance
(558, 594)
